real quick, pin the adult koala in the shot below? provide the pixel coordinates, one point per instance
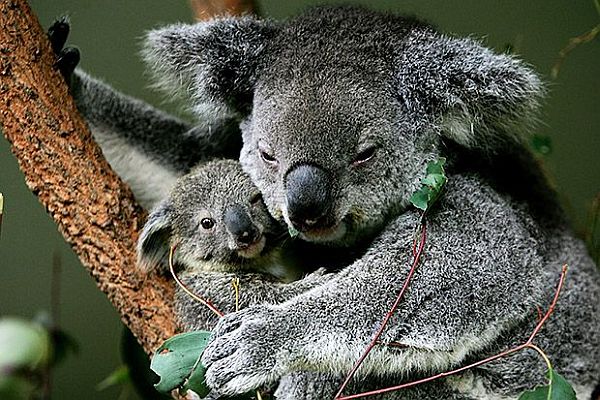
(341, 109)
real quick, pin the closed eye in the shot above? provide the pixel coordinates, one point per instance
(364, 155)
(255, 199)
(268, 158)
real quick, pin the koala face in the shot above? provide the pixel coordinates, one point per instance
(341, 108)
(216, 218)
(333, 157)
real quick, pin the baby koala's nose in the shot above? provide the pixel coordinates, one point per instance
(240, 225)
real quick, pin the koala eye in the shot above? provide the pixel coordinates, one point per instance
(267, 157)
(364, 155)
(207, 223)
(255, 199)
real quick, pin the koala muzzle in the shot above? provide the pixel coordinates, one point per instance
(240, 225)
(309, 197)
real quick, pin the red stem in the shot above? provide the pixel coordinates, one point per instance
(505, 353)
(417, 256)
(202, 300)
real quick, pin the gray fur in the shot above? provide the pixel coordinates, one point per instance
(318, 90)
(207, 193)
(147, 147)
(209, 260)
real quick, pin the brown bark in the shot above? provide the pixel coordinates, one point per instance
(94, 210)
(206, 9)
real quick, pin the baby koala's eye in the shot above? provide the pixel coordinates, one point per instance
(364, 155)
(207, 223)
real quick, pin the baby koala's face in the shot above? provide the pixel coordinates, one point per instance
(219, 218)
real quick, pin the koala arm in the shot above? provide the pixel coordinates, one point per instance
(480, 274)
(133, 134)
(254, 288)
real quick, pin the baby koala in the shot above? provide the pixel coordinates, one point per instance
(221, 230)
(217, 220)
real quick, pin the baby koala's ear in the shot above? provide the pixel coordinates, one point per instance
(154, 242)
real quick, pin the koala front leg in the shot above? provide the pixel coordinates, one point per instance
(475, 281)
(255, 288)
(147, 147)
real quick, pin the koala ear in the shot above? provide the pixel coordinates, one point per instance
(215, 61)
(154, 242)
(483, 99)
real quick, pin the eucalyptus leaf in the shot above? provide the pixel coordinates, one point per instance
(23, 344)
(293, 232)
(432, 185)
(177, 363)
(16, 388)
(119, 376)
(558, 388)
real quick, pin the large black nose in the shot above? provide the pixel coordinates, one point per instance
(240, 225)
(308, 195)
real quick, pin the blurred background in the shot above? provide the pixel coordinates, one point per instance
(108, 35)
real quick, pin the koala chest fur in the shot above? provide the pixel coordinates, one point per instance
(340, 110)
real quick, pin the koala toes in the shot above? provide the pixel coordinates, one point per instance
(67, 60)
(58, 33)
(67, 57)
(243, 353)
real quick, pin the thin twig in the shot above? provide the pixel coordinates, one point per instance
(573, 43)
(207, 303)
(55, 289)
(389, 314)
(527, 344)
(1, 211)
(235, 283)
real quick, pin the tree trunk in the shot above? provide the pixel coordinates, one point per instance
(94, 210)
(206, 9)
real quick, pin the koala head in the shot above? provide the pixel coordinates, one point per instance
(216, 218)
(342, 108)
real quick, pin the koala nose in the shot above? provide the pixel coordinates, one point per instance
(240, 225)
(308, 195)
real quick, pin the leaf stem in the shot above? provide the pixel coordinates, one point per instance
(527, 344)
(374, 341)
(207, 303)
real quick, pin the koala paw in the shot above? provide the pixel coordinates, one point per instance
(68, 57)
(246, 350)
(308, 385)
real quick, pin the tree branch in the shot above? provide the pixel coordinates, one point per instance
(94, 210)
(206, 9)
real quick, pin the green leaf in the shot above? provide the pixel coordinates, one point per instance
(16, 388)
(293, 232)
(23, 344)
(420, 198)
(119, 376)
(432, 185)
(558, 388)
(177, 363)
(541, 144)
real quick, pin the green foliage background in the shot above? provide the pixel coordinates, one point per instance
(108, 33)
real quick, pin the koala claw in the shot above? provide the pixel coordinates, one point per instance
(243, 352)
(58, 33)
(68, 57)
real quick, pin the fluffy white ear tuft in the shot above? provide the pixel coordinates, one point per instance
(483, 99)
(214, 62)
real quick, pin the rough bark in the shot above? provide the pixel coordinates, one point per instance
(206, 9)
(94, 210)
